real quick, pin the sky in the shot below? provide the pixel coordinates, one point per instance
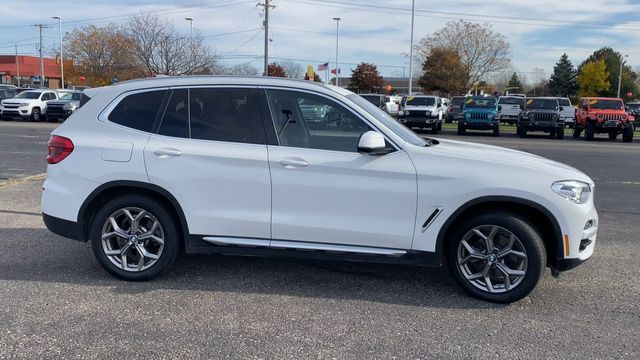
(376, 31)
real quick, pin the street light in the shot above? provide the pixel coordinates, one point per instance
(190, 20)
(61, 61)
(413, 5)
(620, 74)
(337, 19)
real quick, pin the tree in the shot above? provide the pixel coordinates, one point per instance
(161, 50)
(276, 70)
(479, 47)
(291, 69)
(563, 80)
(99, 54)
(612, 61)
(242, 69)
(443, 71)
(316, 77)
(365, 78)
(593, 78)
(515, 84)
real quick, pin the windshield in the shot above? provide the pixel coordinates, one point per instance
(28, 95)
(457, 101)
(70, 96)
(480, 103)
(542, 103)
(397, 128)
(420, 101)
(633, 106)
(564, 102)
(511, 101)
(605, 104)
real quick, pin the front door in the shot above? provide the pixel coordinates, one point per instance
(323, 189)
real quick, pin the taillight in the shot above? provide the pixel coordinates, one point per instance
(59, 148)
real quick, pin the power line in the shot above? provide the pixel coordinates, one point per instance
(244, 43)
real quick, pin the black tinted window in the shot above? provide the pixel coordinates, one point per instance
(226, 115)
(139, 110)
(175, 121)
(83, 99)
(564, 102)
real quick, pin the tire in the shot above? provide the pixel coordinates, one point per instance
(560, 134)
(576, 132)
(461, 129)
(627, 134)
(496, 131)
(167, 231)
(529, 261)
(521, 132)
(552, 134)
(589, 131)
(36, 115)
(434, 129)
(440, 126)
(613, 135)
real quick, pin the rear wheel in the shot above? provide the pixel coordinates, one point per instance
(134, 238)
(461, 129)
(589, 131)
(627, 134)
(560, 134)
(496, 256)
(496, 130)
(521, 132)
(576, 132)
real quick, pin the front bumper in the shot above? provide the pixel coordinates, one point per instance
(611, 125)
(540, 126)
(419, 121)
(58, 113)
(480, 125)
(15, 112)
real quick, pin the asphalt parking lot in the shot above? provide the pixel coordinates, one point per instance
(56, 301)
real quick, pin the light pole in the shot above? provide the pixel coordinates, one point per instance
(190, 20)
(620, 73)
(61, 61)
(191, 50)
(413, 5)
(337, 19)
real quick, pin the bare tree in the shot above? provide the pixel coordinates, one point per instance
(480, 48)
(242, 69)
(160, 49)
(293, 70)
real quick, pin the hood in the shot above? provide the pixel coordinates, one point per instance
(496, 155)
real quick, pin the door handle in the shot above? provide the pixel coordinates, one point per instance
(291, 163)
(164, 153)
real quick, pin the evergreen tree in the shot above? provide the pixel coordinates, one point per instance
(515, 84)
(563, 80)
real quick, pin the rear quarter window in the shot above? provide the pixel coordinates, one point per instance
(138, 111)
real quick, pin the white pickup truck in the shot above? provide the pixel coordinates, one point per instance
(509, 108)
(568, 113)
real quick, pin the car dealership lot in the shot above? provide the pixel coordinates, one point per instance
(57, 301)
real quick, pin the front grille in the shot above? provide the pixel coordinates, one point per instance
(10, 106)
(418, 113)
(607, 117)
(10, 112)
(543, 116)
(479, 116)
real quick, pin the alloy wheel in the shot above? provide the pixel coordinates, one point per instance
(132, 239)
(492, 259)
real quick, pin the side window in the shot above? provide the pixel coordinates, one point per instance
(311, 121)
(138, 111)
(52, 96)
(175, 121)
(230, 114)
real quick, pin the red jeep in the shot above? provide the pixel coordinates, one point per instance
(597, 115)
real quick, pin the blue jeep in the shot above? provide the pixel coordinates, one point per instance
(480, 113)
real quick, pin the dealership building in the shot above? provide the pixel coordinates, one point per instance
(27, 70)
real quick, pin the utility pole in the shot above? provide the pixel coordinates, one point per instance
(41, 26)
(337, 19)
(266, 6)
(61, 61)
(17, 65)
(413, 5)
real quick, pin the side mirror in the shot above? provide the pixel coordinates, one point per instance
(560, 108)
(372, 143)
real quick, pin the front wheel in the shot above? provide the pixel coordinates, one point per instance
(560, 133)
(461, 129)
(134, 238)
(627, 134)
(589, 131)
(496, 256)
(35, 114)
(576, 132)
(496, 130)
(521, 132)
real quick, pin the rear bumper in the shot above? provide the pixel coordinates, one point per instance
(65, 228)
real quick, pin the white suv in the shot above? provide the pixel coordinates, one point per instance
(228, 165)
(30, 104)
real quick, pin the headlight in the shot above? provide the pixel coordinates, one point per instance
(428, 112)
(490, 116)
(69, 106)
(531, 116)
(467, 115)
(576, 191)
(24, 104)
(556, 117)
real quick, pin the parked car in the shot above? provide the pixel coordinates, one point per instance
(480, 113)
(376, 99)
(422, 111)
(68, 101)
(541, 114)
(510, 108)
(445, 106)
(7, 92)
(147, 169)
(596, 115)
(455, 109)
(392, 103)
(568, 113)
(31, 104)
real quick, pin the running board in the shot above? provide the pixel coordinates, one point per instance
(299, 245)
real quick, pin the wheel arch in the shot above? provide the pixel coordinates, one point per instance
(113, 189)
(541, 218)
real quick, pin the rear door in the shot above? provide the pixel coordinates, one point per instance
(323, 189)
(210, 154)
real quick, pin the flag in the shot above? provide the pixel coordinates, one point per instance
(333, 71)
(323, 67)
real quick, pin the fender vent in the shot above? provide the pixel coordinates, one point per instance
(431, 218)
